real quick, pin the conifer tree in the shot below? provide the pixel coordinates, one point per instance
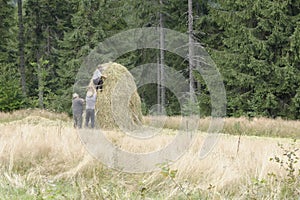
(255, 43)
(45, 23)
(6, 32)
(10, 93)
(92, 22)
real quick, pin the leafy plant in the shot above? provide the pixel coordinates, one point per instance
(289, 160)
(167, 172)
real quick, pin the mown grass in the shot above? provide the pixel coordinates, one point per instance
(22, 114)
(43, 158)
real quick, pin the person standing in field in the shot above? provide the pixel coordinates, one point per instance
(98, 78)
(77, 108)
(90, 100)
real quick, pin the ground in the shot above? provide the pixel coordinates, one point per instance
(42, 157)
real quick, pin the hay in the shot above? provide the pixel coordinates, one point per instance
(118, 105)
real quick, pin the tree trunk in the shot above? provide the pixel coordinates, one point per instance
(21, 48)
(40, 82)
(48, 41)
(191, 45)
(162, 55)
(158, 81)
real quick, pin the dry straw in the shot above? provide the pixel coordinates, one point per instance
(118, 104)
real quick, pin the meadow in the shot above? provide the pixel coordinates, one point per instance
(42, 157)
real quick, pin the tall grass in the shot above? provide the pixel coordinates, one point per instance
(240, 126)
(43, 158)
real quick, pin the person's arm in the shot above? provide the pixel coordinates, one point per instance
(82, 100)
(94, 90)
(94, 93)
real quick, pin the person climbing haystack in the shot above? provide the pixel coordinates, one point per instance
(98, 78)
(119, 103)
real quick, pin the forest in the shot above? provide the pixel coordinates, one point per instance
(255, 45)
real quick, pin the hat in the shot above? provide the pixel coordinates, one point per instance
(75, 95)
(89, 93)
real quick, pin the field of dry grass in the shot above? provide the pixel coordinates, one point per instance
(42, 157)
(242, 126)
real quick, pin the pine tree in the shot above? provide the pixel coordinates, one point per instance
(45, 24)
(92, 22)
(10, 92)
(6, 32)
(255, 43)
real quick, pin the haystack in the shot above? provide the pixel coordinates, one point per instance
(118, 104)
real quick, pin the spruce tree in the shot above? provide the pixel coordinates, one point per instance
(260, 76)
(45, 23)
(92, 22)
(6, 31)
(10, 90)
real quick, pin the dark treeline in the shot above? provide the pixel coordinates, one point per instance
(254, 43)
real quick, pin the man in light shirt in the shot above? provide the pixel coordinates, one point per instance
(90, 100)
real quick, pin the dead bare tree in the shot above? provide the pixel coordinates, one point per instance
(191, 44)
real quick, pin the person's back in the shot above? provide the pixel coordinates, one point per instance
(77, 108)
(90, 107)
(90, 101)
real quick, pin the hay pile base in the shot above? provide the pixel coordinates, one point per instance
(118, 105)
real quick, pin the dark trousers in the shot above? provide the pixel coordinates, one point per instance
(98, 83)
(90, 115)
(77, 120)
